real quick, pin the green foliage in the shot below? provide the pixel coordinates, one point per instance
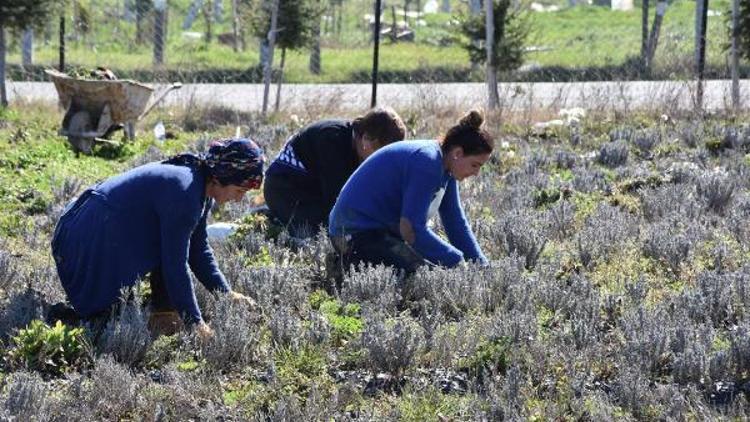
(257, 223)
(344, 320)
(52, 350)
(20, 14)
(298, 370)
(512, 28)
(261, 259)
(744, 29)
(163, 350)
(296, 22)
(491, 355)
(432, 405)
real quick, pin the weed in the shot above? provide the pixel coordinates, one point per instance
(53, 350)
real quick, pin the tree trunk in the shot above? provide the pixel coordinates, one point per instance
(394, 23)
(3, 90)
(269, 63)
(281, 79)
(735, 56)
(76, 21)
(208, 15)
(27, 50)
(445, 6)
(235, 27)
(492, 94)
(159, 34)
(264, 53)
(138, 24)
(653, 39)
(314, 63)
(644, 32)
(340, 19)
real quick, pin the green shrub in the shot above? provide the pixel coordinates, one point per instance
(344, 320)
(52, 350)
(490, 356)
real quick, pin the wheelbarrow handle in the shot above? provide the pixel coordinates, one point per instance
(157, 100)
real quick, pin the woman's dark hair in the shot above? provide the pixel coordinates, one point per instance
(381, 124)
(469, 135)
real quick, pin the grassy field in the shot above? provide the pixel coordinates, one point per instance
(576, 39)
(618, 288)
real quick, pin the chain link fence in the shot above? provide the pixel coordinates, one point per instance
(216, 42)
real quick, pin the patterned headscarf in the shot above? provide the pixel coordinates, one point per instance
(231, 161)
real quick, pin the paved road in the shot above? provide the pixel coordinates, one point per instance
(664, 95)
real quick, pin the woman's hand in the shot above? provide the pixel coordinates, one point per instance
(242, 299)
(203, 331)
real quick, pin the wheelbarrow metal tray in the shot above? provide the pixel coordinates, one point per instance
(126, 99)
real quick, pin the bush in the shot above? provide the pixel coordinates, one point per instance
(52, 350)
(8, 271)
(26, 398)
(391, 345)
(522, 234)
(19, 311)
(603, 232)
(715, 191)
(667, 243)
(376, 285)
(236, 338)
(613, 154)
(126, 336)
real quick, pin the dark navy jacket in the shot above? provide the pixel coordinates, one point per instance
(151, 217)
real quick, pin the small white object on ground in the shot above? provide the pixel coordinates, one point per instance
(221, 231)
(160, 132)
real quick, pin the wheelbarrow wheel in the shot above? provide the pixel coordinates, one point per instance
(80, 123)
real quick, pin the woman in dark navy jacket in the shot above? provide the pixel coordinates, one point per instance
(303, 182)
(151, 220)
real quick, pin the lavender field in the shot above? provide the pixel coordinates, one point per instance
(619, 288)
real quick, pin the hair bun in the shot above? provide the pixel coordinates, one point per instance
(473, 119)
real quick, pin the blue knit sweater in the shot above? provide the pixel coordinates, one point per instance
(151, 217)
(407, 179)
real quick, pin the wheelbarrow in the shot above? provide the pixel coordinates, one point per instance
(94, 109)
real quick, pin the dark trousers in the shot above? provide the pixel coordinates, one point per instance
(159, 302)
(378, 247)
(301, 210)
(159, 297)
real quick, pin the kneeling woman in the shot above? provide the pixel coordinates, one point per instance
(303, 182)
(152, 220)
(382, 213)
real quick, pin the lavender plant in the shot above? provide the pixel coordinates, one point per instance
(715, 190)
(522, 234)
(613, 154)
(604, 232)
(392, 345)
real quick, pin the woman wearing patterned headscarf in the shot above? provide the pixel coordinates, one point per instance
(151, 221)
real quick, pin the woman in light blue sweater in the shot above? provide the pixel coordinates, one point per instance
(381, 215)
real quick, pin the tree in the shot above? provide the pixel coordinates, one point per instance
(16, 16)
(296, 28)
(743, 30)
(512, 29)
(142, 9)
